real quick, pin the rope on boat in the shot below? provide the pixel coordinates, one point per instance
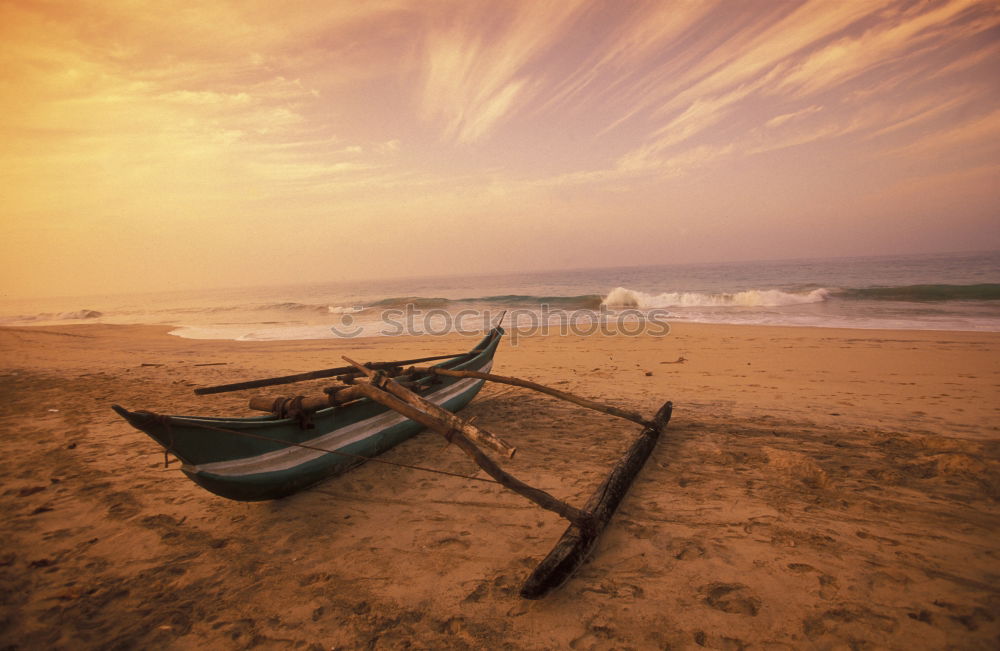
(166, 420)
(167, 449)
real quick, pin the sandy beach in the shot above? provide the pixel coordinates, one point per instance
(817, 488)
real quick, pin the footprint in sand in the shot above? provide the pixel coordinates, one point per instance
(828, 588)
(121, 505)
(854, 621)
(731, 598)
(685, 550)
(447, 541)
(970, 617)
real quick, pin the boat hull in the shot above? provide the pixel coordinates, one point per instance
(263, 458)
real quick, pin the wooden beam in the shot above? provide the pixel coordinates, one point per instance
(474, 432)
(315, 375)
(534, 386)
(538, 496)
(577, 542)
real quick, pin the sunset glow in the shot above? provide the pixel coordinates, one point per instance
(150, 146)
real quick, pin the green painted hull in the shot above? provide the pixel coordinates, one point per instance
(262, 458)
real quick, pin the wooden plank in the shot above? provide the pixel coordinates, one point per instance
(541, 388)
(577, 542)
(316, 375)
(474, 432)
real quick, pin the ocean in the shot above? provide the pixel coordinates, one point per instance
(920, 292)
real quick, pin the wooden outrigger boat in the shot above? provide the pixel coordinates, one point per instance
(305, 440)
(267, 457)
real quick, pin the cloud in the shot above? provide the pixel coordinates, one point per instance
(476, 62)
(895, 37)
(969, 135)
(617, 69)
(779, 120)
(790, 65)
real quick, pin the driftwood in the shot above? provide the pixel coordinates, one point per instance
(538, 496)
(534, 386)
(315, 375)
(477, 434)
(577, 542)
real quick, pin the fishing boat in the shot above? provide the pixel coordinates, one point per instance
(377, 406)
(268, 457)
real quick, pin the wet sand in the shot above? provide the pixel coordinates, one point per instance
(817, 488)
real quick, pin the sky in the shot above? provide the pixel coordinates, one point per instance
(150, 145)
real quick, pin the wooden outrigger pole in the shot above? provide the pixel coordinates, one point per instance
(534, 386)
(586, 524)
(315, 375)
(461, 433)
(577, 542)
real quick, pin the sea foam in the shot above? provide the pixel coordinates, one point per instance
(624, 297)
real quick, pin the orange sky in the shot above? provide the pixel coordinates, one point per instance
(148, 145)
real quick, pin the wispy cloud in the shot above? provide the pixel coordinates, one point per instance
(779, 120)
(476, 62)
(790, 69)
(898, 35)
(980, 132)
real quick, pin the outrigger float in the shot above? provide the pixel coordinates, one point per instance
(374, 407)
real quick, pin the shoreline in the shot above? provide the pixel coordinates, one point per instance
(172, 331)
(816, 487)
(165, 329)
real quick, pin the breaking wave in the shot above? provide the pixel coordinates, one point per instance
(79, 314)
(295, 307)
(418, 302)
(623, 297)
(76, 315)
